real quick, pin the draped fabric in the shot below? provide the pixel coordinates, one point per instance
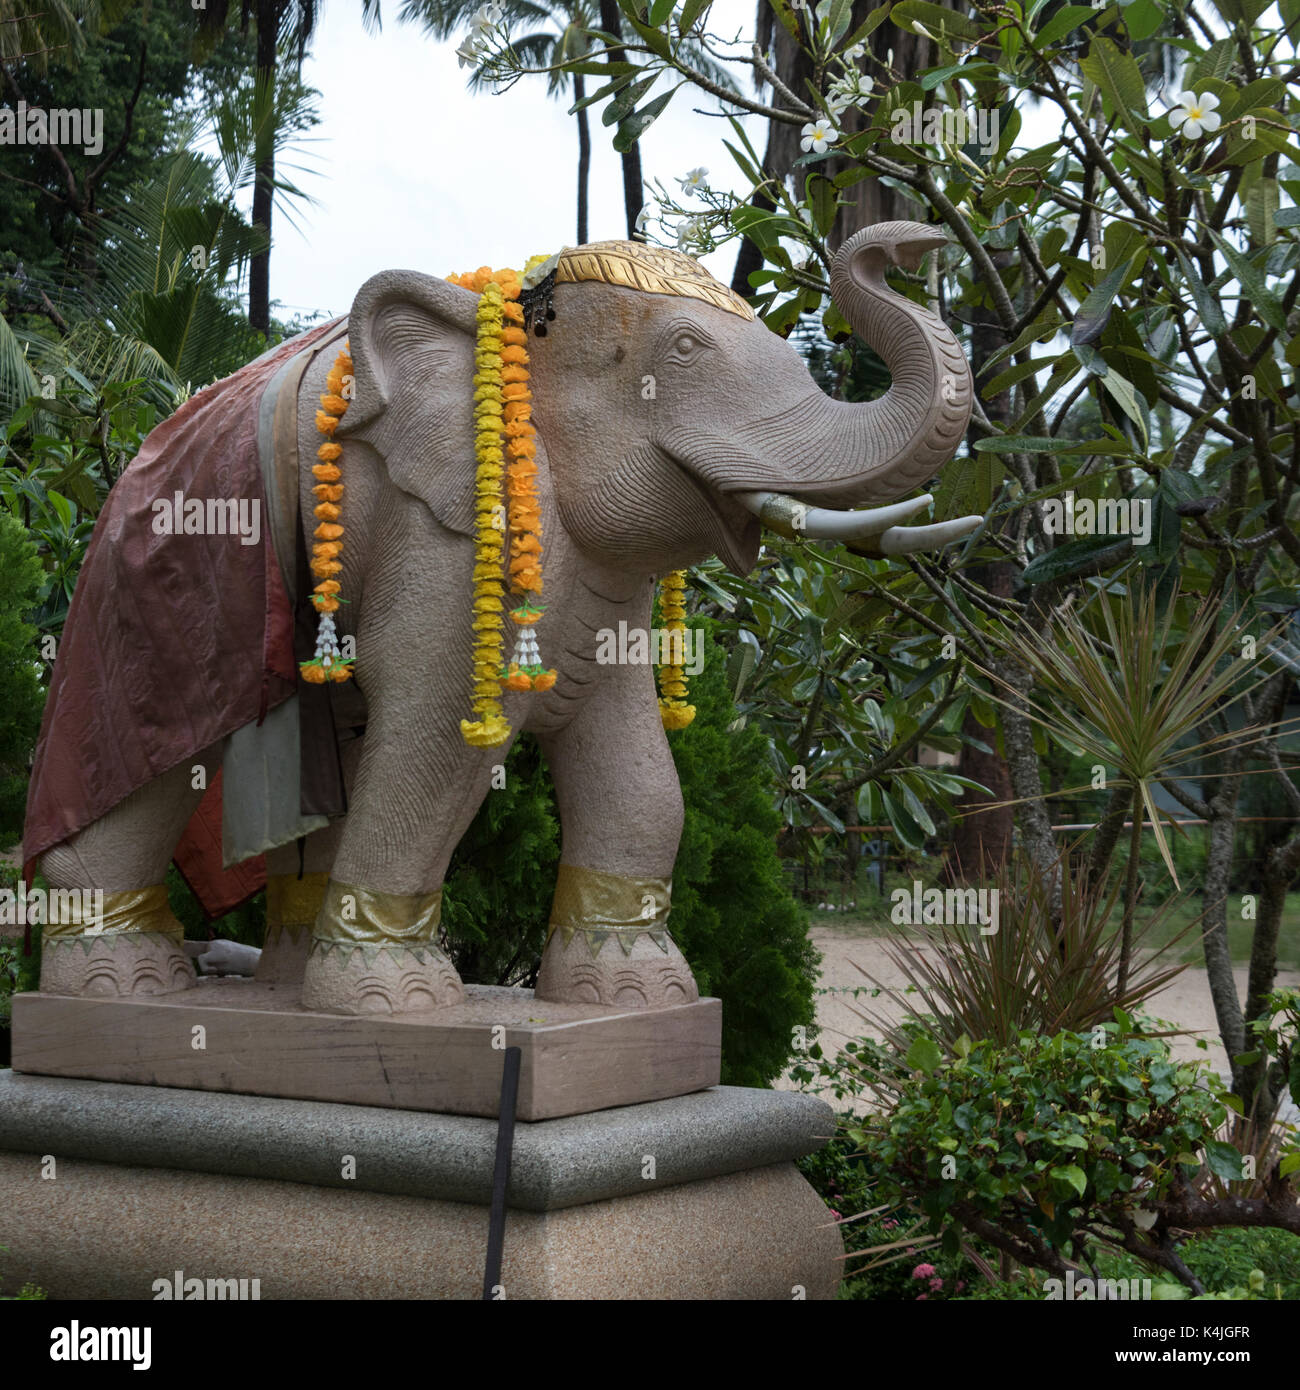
(172, 641)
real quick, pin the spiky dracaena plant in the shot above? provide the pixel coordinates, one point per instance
(1139, 699)
(1027, 975)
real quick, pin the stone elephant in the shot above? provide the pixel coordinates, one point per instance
(671, 425)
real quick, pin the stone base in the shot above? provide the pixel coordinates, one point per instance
(256, 1039)
(692, 1198)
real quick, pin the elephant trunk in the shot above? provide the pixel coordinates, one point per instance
(866, 453)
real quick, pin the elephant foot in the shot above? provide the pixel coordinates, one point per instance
(629, 969)
(373, 979)
(284, 955)
(123, 964)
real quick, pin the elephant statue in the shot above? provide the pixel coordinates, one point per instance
(669, 424)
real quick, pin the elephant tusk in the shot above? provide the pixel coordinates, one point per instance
(903, 540)
(797, 521)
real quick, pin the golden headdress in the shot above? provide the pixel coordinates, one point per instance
(653, 269)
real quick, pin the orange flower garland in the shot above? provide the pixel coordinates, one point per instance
(327, 664)
(503, 412)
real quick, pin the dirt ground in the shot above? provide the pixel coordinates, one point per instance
(1185, 1000)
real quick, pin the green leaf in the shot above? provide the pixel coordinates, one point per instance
(868, 26)
(1064, 21)
(1288, 1165)
(1207, 305)
(1073, 1175)
(1090, 321)
(636, 125)
(656, 39)
(1121, 391)
(1253, 284)
(608, 89)
(1118, 76)
(660, 12)
(934, 20)
(841, 16)
(691, 11)
(1076, 557)
(823, 202)
(626, 101)
(1261, 210)
(1224, 1160)
(924, 1055)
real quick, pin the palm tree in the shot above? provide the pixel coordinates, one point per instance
(561, 34)
(286, 24)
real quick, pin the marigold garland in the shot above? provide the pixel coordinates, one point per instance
(673, 689)
(327, 549)
(503, 431)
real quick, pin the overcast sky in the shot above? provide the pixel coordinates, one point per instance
(411, 171)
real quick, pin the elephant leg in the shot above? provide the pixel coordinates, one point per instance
(374, 945)
(134, 948)
(621, 812)
(295, 888)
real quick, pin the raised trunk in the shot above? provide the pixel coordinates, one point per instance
(851, 455)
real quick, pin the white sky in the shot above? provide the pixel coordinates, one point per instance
(411, 171)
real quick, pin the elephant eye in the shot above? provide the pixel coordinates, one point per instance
(686, 345)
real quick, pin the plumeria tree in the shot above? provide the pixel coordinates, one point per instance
(1122, 271)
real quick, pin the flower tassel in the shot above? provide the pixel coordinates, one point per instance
(673, 688)
(326, 563)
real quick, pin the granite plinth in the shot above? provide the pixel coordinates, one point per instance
(557, 1163)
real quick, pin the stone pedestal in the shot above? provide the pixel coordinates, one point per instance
(693, 1197)
(255, 1037)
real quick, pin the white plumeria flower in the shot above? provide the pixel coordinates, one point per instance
(694, 180)
(816, 136)
(1195, 115)
(486, 18)
(468, 54)
(643, 217)
(689, 233)
(853, 52)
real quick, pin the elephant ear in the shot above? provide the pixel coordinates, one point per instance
(412, 344)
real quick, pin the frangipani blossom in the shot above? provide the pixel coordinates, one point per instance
(816, 136)
(1195, 115)
(694, 180)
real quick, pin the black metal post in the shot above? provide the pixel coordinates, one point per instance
(501, 1173)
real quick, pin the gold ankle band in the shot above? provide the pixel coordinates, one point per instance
(601, 906)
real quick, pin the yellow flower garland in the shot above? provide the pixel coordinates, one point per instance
(503, 429)
(673, 689)
(327, 664)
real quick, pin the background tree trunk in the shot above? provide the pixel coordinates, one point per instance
(259, 269)
(633, 188)
(584, 156)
